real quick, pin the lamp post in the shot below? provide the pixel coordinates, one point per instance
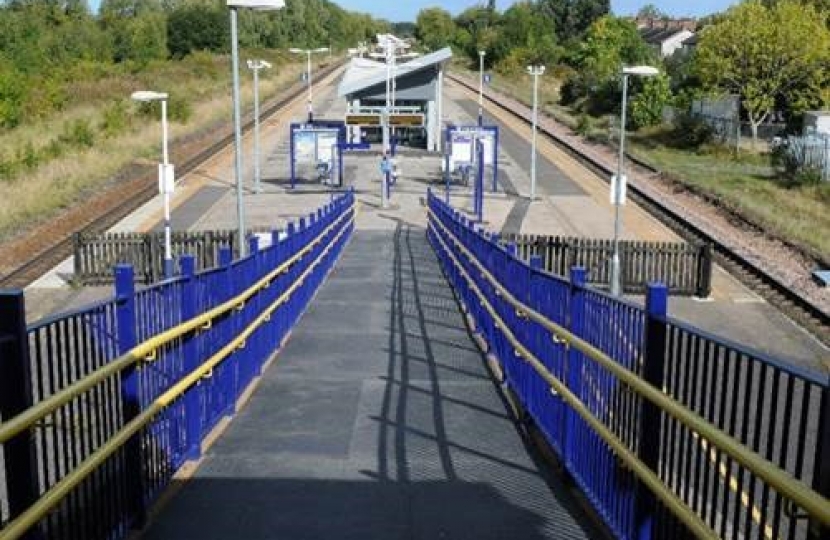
(166, 175)
(618, 182)
(535, 72)
(481, 87)
(234, 5)
(308, 53)
(255, 66)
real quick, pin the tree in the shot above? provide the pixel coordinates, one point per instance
(434, 28)
(197, 28)
(572, 18)
(765, 54)
(648, 104)
(526, 37)
(650, 11)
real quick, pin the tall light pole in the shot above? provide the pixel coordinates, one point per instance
(308, 53)
(619, 181)
(535, 72)
(234, 5)
(255, 66)
(481, 87)
(166, 175)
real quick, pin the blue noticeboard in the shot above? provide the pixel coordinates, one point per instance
(488, 78)
(317, 144)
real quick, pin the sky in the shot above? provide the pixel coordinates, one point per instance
(406, 10)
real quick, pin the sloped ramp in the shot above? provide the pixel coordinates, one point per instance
(378, 420)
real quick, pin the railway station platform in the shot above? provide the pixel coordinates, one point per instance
(340, 384)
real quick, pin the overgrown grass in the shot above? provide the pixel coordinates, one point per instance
(746, 183)
(51, 163)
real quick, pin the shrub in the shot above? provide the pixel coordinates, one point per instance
(647, 106)
(691, 132)
(78, 134)
(584, 124)
(116, 118)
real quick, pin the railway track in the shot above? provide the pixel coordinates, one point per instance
(123, 198)
(773, 290)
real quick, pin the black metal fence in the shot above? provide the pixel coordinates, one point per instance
(97, 253)
(686, 269)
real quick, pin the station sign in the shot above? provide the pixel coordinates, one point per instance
(406, 119)
(363, 120)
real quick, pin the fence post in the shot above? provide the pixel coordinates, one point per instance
(704, 280)
(191, 359)
(654, 361)
(576, 306)
(130, 405)
(15, 397)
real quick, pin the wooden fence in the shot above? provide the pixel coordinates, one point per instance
(686, 269)
(97, 253)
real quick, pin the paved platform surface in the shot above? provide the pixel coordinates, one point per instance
(572, 201)
(378, 420)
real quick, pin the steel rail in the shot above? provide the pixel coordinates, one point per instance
(30, 416)
(784, 483)
(20, 525)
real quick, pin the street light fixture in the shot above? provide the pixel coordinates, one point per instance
(535, 72)
(618, 182)
(308, 53)
(481, 87)
(255, 66)
(234, 5)
(166, 174)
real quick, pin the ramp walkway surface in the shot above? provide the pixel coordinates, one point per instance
(378, 420)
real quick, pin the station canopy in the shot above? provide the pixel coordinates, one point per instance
(366, 78)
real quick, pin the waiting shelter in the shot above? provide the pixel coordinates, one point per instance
(415, 114)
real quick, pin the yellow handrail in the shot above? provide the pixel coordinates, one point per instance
(783, 482)
(18, 527)
(27, 418)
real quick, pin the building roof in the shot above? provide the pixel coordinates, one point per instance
(656, 36)
(363, 73)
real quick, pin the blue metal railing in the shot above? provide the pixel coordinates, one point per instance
(82, 484)
(773, 409)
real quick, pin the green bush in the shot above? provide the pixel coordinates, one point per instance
(116, 119)
(691, 132)
(179, 109)
(78, 134)
(584, 124)
(647, 105)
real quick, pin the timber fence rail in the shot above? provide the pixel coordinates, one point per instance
(670, 432)
(96, 253)
(100, 407)
(686, 269)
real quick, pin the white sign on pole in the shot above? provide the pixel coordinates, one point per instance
(623, 189)
(167, 179)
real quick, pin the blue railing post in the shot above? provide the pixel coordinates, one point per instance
(252, 352)
(15, 397)
(190, 309)
(821, 478)
(654, 361)
(479, 188)
(230, 367)
(576, 306)
(130, 404)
